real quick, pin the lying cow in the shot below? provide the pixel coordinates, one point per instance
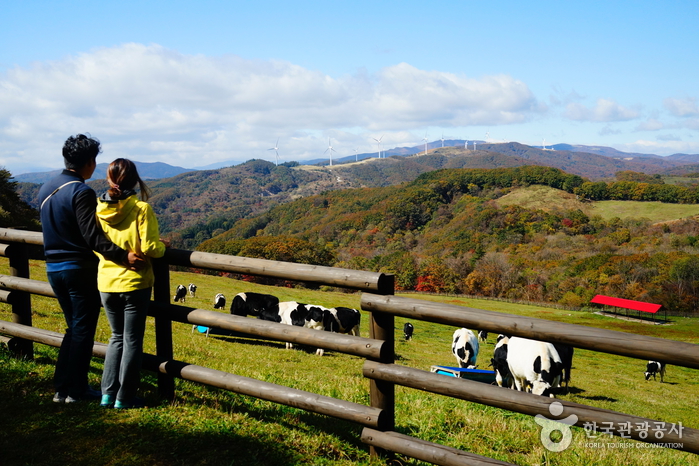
(535, 366)
(260, 305)
(192, 289)
(653, 368)
(219, 301)
(408, 331)
(503, 376)
(465, 348)
(180, 293)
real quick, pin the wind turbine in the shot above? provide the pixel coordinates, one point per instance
(425, 139)
(356, 157)
(543, 144)
(331, 150)
(442, 139)
(276, 150)
(474, 145)
(378, 143)
(466, 144)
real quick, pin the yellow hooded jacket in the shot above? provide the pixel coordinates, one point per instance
(130, 224)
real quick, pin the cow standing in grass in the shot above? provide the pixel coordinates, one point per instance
(192, 289)
(503, 376)
(653, 368)
(219, 301)
(260, 305)
(180, 294)
(408, 330)
(535, 366)
(465, 348)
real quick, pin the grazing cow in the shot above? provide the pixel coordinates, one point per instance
(566, 354)
(262, 306)
(300, 315)
(465, 348)
(408, 331)
(180, 293)
(535, 365)
(653, 368)
(192, 289)
(219, 301)
(482, 335)
(341, 320)
(503, 376)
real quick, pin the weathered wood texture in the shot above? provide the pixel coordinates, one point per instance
(425, 451)
(606, 341)
(378, 283)
(517, 401)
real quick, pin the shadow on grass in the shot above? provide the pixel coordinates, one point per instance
(39, 432)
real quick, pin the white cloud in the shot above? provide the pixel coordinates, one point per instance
(605, 110)
(650, 125)
(661, 147)
(686, 107)
(150, 103)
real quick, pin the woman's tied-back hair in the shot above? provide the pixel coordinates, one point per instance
(122, 175)
(79, 150)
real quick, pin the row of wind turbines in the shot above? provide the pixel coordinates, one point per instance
(330, 148)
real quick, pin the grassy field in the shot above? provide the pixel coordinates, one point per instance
(543, 197)
(214, 427)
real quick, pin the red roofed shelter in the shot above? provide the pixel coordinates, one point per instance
(626, 303)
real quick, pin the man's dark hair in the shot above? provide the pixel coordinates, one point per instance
(79, 150)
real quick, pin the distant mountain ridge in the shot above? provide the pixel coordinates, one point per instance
(147, 170)
(654, 163)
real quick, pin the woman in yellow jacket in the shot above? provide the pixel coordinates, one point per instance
(130, 224)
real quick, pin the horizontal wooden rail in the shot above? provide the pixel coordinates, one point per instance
(341, 409)
(26, 284)
(349, 344)
(425, 451)
(519, 402)
(607, 341)
(346, 278)
(8, 235)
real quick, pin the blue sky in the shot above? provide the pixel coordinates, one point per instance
(197, 83)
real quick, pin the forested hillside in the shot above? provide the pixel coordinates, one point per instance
(198, 205)
(445, 232)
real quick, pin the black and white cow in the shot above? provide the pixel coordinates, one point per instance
(503, 376)
(408, 330)
(535, 366)
(465, 348)
(192, 289)
(219, 301)
(300, 315)
(653, 368)
(180, 293)
(483, 335)
(342, 320)
(260, 305)
(566, 354)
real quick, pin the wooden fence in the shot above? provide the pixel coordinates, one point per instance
(378, 419)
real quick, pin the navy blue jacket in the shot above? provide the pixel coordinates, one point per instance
(68, 221)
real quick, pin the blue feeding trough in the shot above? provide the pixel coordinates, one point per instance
(201, 329)
(478, 375)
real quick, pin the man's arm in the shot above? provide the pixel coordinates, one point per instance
(85, 207)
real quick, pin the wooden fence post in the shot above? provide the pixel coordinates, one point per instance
(21, 300)
(382, 393)
(163, 326)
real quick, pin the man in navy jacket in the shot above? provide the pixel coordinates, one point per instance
(71, 234)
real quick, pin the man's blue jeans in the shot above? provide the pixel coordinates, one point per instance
(127, 314)
(76, 291)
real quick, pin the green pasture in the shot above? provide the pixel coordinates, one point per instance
(654, 211)
(213, 427)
